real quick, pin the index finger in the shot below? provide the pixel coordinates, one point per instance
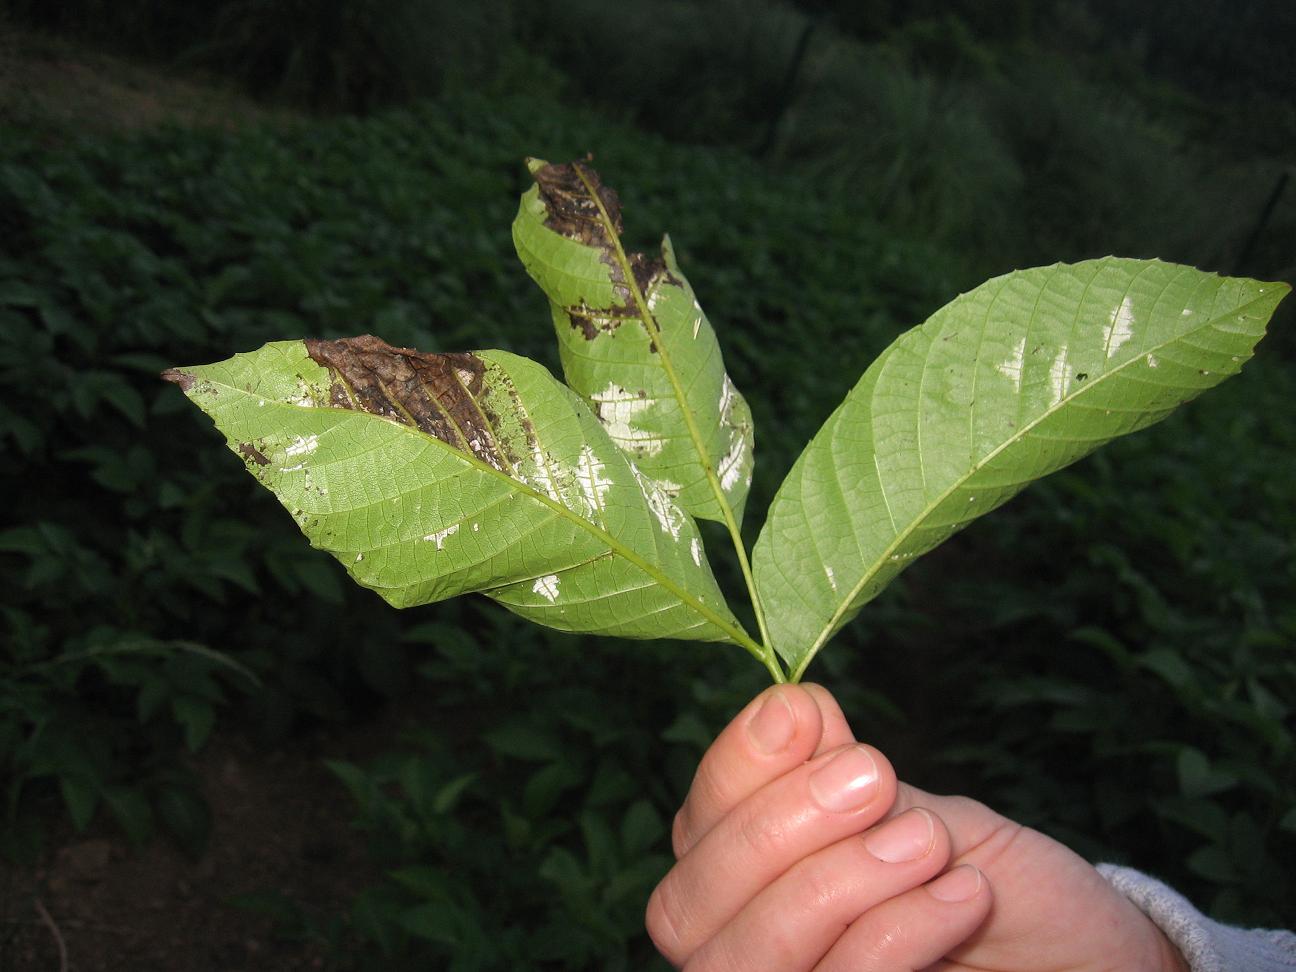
(776, 732)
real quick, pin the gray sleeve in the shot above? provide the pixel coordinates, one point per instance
(1206, 945)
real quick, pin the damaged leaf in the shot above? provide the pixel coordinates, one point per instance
(431, 475)
(1022, 376)
(635, 343)
(434, 474)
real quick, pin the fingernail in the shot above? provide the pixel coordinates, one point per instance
(956, 885)
(904, 838)
(773, 726)
(848, 781)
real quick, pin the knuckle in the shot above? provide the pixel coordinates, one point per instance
(884, 948)
(821, 883)
(762, 837)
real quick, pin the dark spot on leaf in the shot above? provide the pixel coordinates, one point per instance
(439, 394)
(581, 208)
(592, 322)
(572, 209)
(1082, 375)
(251, 452)
(181, 378)
(646, 269)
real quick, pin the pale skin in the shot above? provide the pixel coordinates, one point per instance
(798, 850)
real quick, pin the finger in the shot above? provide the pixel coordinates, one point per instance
(916, 929)
(794, 922)
(836, 730)
(777, 731)
(976, 830)
(837, 794)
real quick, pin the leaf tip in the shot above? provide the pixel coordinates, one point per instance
(177, 377)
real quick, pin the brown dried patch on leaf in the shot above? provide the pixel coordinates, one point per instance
(591, 322)
(250, 452)
(572, 194)
(645, 269)
(572, 209)
(178, 377)
(439, 394)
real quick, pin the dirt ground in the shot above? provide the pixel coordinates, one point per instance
(280, 825)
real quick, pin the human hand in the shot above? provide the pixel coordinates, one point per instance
(772, 872)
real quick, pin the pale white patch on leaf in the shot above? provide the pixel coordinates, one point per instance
(541, 477)
(725, 405)
(593, 484)
(832, 580)
(301, 446)
(1059, 375)
(1120, 327)
(547, 587)
(439, 538)
(669, 516)
(695, 548)
(617, 409)
(1152, 361)
(1011, 367)
(731, 463)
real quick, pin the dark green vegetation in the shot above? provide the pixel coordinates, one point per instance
(1108, 658)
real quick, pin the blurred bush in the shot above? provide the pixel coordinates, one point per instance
(1134, 605)
(151, 584)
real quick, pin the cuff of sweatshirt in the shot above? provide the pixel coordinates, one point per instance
(1206, 945)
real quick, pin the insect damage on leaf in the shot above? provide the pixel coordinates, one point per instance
(440, 394)
(634, 342)
(248, 451)
(178, 377)
(581, 208)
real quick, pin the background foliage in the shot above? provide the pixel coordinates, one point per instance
(1138, 607)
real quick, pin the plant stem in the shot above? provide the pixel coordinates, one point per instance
(763, 651)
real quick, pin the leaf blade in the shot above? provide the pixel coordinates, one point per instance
(635, 343)
(429, 476)
(1019, 377)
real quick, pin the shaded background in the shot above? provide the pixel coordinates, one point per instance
(219, 754)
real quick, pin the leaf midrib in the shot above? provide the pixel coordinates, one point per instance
(764, 653)
(827, 631)
(734, 631)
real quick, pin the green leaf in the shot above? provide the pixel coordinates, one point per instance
(81, 796)
(1197, 778)
(634, 342)
(132, 812)
(1021, 376)
(196, 716)
(431, 475)
(373, 915)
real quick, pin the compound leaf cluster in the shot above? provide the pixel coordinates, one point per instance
(435, 474)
